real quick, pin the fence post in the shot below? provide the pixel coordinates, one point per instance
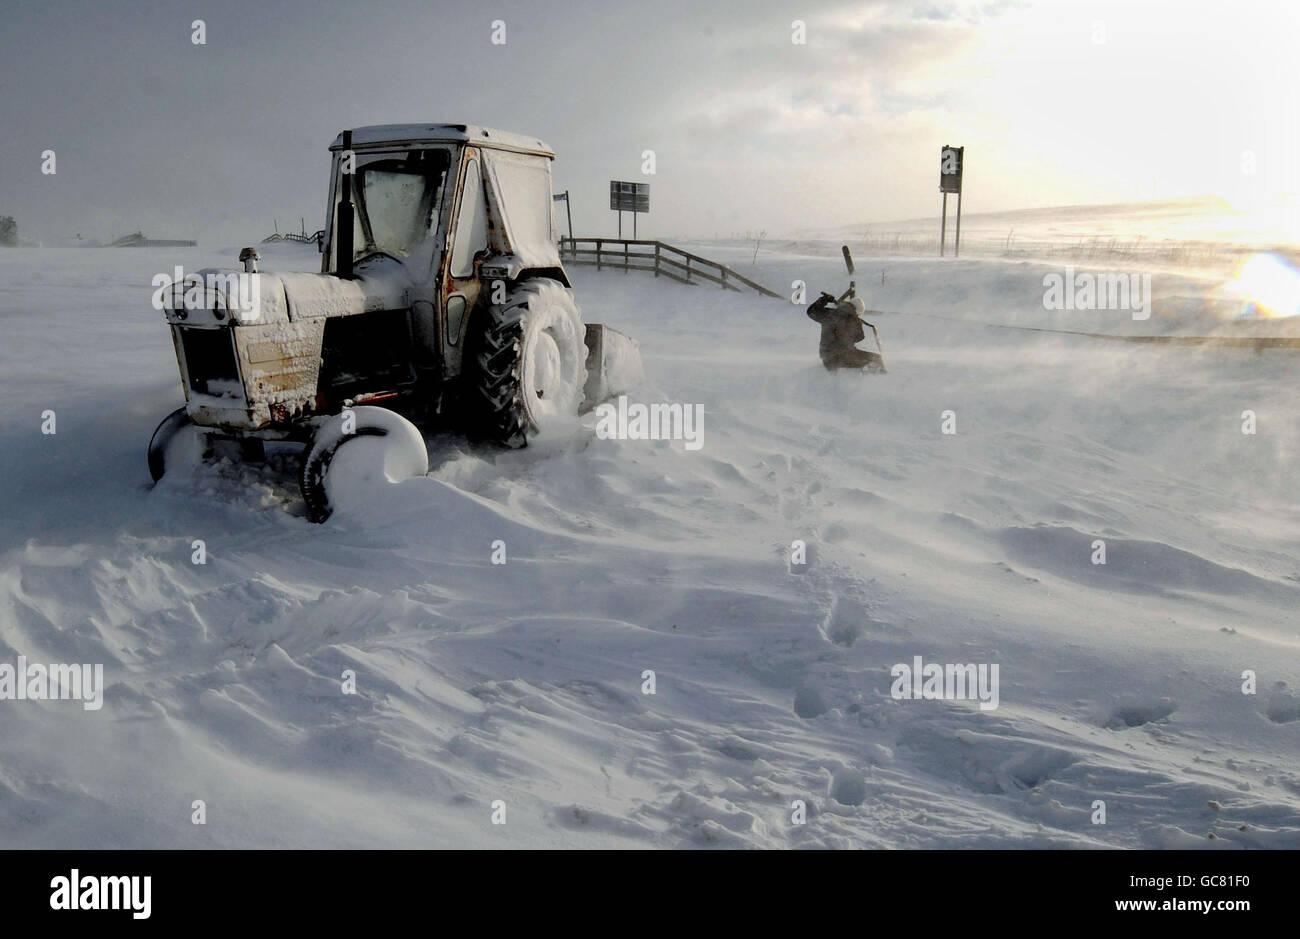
(724, 277)
(656, 259)
(688, 268)
(625, 252)
(599, 242)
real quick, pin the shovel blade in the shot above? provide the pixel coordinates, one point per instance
(613, 365)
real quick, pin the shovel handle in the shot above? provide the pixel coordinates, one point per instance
(875, 335)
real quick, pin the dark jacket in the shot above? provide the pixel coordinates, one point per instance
(841, 328)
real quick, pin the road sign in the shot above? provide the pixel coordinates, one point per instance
(952, 161)
(629, 197)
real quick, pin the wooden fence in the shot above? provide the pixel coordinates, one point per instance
(663, 260)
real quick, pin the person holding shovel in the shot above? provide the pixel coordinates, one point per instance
(841, 322)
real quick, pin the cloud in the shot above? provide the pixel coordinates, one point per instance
(748, 127)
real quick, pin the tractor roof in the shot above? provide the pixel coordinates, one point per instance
(380, 136)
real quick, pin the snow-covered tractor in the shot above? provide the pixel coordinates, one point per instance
(441, 299)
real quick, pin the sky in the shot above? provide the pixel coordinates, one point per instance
(1057, 102)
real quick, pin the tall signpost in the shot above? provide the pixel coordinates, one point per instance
(952, 160)
(628, 197)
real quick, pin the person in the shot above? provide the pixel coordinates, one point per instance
(841, 324)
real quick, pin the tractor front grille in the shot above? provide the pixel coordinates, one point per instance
(210, 362)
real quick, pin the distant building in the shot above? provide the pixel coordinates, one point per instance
(138, 240)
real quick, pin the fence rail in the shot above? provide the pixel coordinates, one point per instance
(657, 257)
(301, 239)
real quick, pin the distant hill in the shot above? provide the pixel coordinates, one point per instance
(1206, 219)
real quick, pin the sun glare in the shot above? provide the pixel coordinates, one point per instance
(1269, 286)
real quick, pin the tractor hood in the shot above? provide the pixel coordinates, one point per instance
(316, 296)
(224, 296)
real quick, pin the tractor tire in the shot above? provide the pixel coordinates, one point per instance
(530, 364)
(404, 454)
(163, 435)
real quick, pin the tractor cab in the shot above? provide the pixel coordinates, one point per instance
(450, 207)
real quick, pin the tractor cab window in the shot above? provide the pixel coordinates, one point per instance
(397, 202)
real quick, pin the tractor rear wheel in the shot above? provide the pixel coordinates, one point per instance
(530, 363)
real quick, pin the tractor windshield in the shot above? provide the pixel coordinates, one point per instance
(397, 202)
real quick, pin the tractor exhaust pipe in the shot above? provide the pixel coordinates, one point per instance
(343, 218)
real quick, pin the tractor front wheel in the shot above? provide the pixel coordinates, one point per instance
(383, 446)
(172, 425)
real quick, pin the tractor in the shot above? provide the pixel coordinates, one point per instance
(441, 300)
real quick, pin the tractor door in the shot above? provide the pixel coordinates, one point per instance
(467, 240)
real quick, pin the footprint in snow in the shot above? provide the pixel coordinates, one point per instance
(1283, 709)
(808, 702)
(1136, 714)
(848, 787)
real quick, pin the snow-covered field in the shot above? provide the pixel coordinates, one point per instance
(523, 682)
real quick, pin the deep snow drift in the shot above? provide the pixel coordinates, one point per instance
(522, 682)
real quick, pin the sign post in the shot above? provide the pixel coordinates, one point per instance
(628, 197)
(943, 225)
(568, 209)
(952, 161)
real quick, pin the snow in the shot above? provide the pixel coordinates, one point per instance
(523, 681)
